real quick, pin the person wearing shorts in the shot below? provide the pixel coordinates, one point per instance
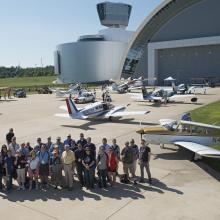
(33, 169)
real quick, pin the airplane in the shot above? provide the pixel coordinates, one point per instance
(158, 95)
(96, 110)
(194, 136)
(73, 89)
(131, 84)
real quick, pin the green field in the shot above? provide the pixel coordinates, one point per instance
(27, 81)
(209, 114)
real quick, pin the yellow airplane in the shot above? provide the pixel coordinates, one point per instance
(196, 137)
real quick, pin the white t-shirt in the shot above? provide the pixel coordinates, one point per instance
(33, 163)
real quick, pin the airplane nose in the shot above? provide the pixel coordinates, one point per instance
(140, 131)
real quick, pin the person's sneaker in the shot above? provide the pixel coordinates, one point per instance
(141, 181)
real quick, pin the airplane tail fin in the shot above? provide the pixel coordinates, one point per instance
(71, 107)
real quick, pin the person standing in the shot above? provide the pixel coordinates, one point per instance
(59, 145)
(144, 159)
(105, 145)
(13, 146)
(56, 169)
(69, 141)
(82, 140)
(112, 166)
(9, 166)
(20, 164)
(49, 144)
(79, 154)
(102, 165)
(44, 159)
(9, 136)
(136, 153)
(33, 169)
(88, 163)
(128, 161)
(68, 159)
(37, 147)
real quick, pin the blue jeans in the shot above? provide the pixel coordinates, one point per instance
(102, 177)
(9, 182)
(89, 179)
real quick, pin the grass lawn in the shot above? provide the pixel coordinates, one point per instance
(209, 114)
(27, 81)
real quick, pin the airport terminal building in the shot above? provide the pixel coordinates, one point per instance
(180, 38)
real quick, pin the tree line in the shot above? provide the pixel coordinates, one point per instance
(9, 72)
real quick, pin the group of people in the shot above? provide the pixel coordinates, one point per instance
(48, 161)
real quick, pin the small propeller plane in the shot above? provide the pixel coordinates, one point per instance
(194, 136)
(159, 96)
(96, 110)
(131, 84)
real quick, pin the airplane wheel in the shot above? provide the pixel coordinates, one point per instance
(194, 99)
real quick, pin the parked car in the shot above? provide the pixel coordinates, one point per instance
(85, 97)
(20, 93)
(44, 90)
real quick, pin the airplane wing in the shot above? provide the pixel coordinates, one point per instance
(200, 124)
(62, 115)
(64, 107)
(127, 113)
(199, 149)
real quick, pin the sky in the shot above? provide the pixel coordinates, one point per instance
(31, 29)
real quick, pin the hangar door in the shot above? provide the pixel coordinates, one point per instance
(187, 63)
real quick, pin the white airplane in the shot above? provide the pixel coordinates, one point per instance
(158, 95)
(96, 110)
(73, 90)
(196, 137)
(131, 84)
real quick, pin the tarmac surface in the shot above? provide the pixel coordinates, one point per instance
(181, 189)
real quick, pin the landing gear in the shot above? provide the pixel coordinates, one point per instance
(162, 146)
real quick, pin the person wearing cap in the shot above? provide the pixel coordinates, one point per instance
(112, 166)
(144, 159)
(68, 160)
(102, 165)
(82, 140)
(69, 141)
(13, 146)
(128, 161)
(44, 159)
(136, 153)
(88, 163)
(20, 164)
(33, 169)
(9, 136)
(48, 144)
(9, 167)
(56, 169)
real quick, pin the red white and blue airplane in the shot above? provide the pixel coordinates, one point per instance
(96, 110)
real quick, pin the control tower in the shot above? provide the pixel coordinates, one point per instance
(114, 15)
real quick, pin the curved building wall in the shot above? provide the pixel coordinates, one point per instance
(88, 61)
(180, 38)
